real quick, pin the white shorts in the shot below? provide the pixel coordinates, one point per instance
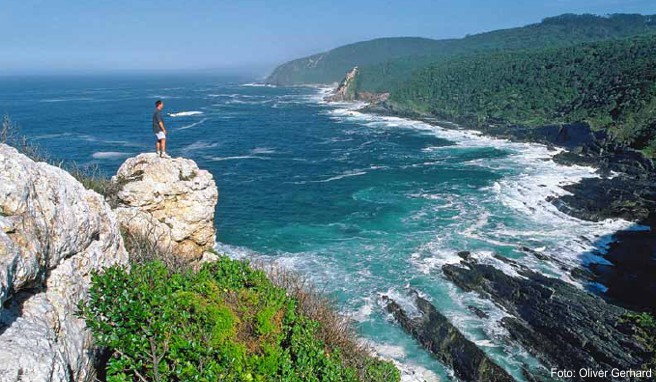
(159, 136)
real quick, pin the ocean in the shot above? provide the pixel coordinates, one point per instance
(362, 205)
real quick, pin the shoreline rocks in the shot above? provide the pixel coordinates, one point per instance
(626, 189)
(561, 325)
(53, 234)
(169, 201)
(437, 335)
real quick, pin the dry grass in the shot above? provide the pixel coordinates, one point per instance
(89, 175)
(93, 179)
(10, 135)
(143, 249)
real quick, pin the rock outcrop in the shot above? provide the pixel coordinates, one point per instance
(563, 326)
(347, 91)
(169, 201)
(53, 234)
(446, 343)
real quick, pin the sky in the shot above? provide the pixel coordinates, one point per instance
(73, 36)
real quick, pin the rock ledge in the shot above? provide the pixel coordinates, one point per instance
(170, 201)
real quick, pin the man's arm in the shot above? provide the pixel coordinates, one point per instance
(160, 122)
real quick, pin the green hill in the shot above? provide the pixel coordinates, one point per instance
(610, 85)
(387, 62)
(331, 66)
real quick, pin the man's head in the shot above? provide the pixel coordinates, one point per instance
(159, 105)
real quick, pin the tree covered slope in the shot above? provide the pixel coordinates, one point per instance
(331, 66)
(610, 85)
(387, 62)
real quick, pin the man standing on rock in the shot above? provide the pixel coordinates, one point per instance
(159, 130)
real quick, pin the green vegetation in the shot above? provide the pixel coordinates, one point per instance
(330, 67)
(386, 63)
(645, 326)
(163, 320)
(609, 85)
(226, 321)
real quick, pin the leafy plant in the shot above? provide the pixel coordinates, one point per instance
(645, 327)
(225, 322)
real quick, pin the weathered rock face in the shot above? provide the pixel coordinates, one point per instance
(560, 324)
(53, 234)
(446, 343)
(347, 91)
(170, 201)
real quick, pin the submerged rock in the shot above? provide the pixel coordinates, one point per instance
(170, 201)
(561, 325)
(446, 343)
(53, 234)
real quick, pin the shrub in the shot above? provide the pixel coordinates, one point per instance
(334, 329)
(225, 322)
(644, 325)
(143, 249)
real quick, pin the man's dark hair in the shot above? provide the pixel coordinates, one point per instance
(158, 102)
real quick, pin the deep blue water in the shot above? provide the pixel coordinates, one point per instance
(362, 205)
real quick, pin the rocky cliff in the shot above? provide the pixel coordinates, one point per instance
(565, 327)
(170, 201)
(53, 234)
(347, 91)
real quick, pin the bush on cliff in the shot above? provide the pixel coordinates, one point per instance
(645, 327)
(226, 322)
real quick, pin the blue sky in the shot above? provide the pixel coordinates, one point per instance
(120, 35)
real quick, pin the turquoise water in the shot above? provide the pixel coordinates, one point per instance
(364, 206)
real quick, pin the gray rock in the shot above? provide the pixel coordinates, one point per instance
(562, 325)
(53, 234)
(446, 343)
(170, 201)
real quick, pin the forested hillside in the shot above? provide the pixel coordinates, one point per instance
(610, 85)
(385, 63)
(330, 67)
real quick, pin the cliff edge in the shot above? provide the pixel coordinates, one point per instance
(53, 234)
(169, 201)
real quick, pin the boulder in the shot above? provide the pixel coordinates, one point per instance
(53, 234)
(169, 201)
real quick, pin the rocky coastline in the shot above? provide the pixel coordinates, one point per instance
(440, 338)
(55, 233)
(625, 188)
(561, 325)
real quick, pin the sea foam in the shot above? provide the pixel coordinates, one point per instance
(185, 114)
